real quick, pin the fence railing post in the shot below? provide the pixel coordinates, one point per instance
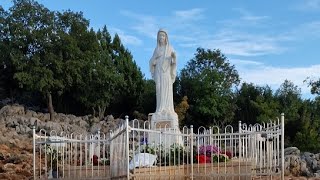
(34, 150)
(239, 139)
(191, 144)
(239, 147)
(127, 146)
(282, 146)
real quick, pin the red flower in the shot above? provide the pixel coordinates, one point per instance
(228, 153)
(95, 160)
(203, 159)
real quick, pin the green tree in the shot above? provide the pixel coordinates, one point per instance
(289, 97)
(148, 103)
(130, 95)
(48, 49)
(308, 138)
(267, 105)
(246, 111)
(315, 85)
(6, 69)
(207, 81)
(100, 85)
(290, 103)
(31, 37)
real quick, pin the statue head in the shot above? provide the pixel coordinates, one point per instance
(162, 38)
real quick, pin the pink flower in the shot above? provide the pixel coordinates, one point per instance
(209, 150)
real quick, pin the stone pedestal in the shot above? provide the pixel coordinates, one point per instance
(167, 126)
(161, 120)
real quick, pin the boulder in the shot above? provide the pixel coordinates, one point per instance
(291, 151)
(9, 110)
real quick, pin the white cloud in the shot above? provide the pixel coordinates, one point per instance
(238, 43)
(311, 29)
(244, 47)
(308, 5)
(125, 38)
(249, 17)
(254, 18)
(189, 15)
(241, 62)
(179, 22)
(144, 24)
(245, 19)
(275, 76)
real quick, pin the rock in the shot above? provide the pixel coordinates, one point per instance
(11, 121)
(2, 120)
(1, 156)
(313, 178)
(9, 110)
(292, 165)
(314, 165)
(303, 168)
(95, 120)
(13, 160)
(30, 113)
(291, 151)
(110, 118)
(33, 121)
(317, 175)
(18, 129)
(85, 118)
(8, 167)
(95, 127)
(43, 117)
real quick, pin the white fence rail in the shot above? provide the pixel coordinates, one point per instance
(70, 156)
(137, 152)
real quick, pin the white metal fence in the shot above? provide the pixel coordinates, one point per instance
(70, 156)
(134, 151)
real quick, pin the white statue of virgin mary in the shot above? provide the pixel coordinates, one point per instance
(163, 70)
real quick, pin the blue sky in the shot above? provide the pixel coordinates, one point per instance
(267, 41)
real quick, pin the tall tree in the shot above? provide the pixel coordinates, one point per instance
(131, 91)
(207, 81)
(267, 105)
(289, 97)
(246, 111)
(102, 82)
(148, 103)
(31, 29)
(6, 68)
(290, 103)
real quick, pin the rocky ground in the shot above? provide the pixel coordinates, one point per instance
(15, 162)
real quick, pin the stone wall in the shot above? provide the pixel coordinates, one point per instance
(15, 120)
(301, 164)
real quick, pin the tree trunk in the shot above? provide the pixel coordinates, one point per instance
(50, 106)
(94, 112)
(101, 111)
